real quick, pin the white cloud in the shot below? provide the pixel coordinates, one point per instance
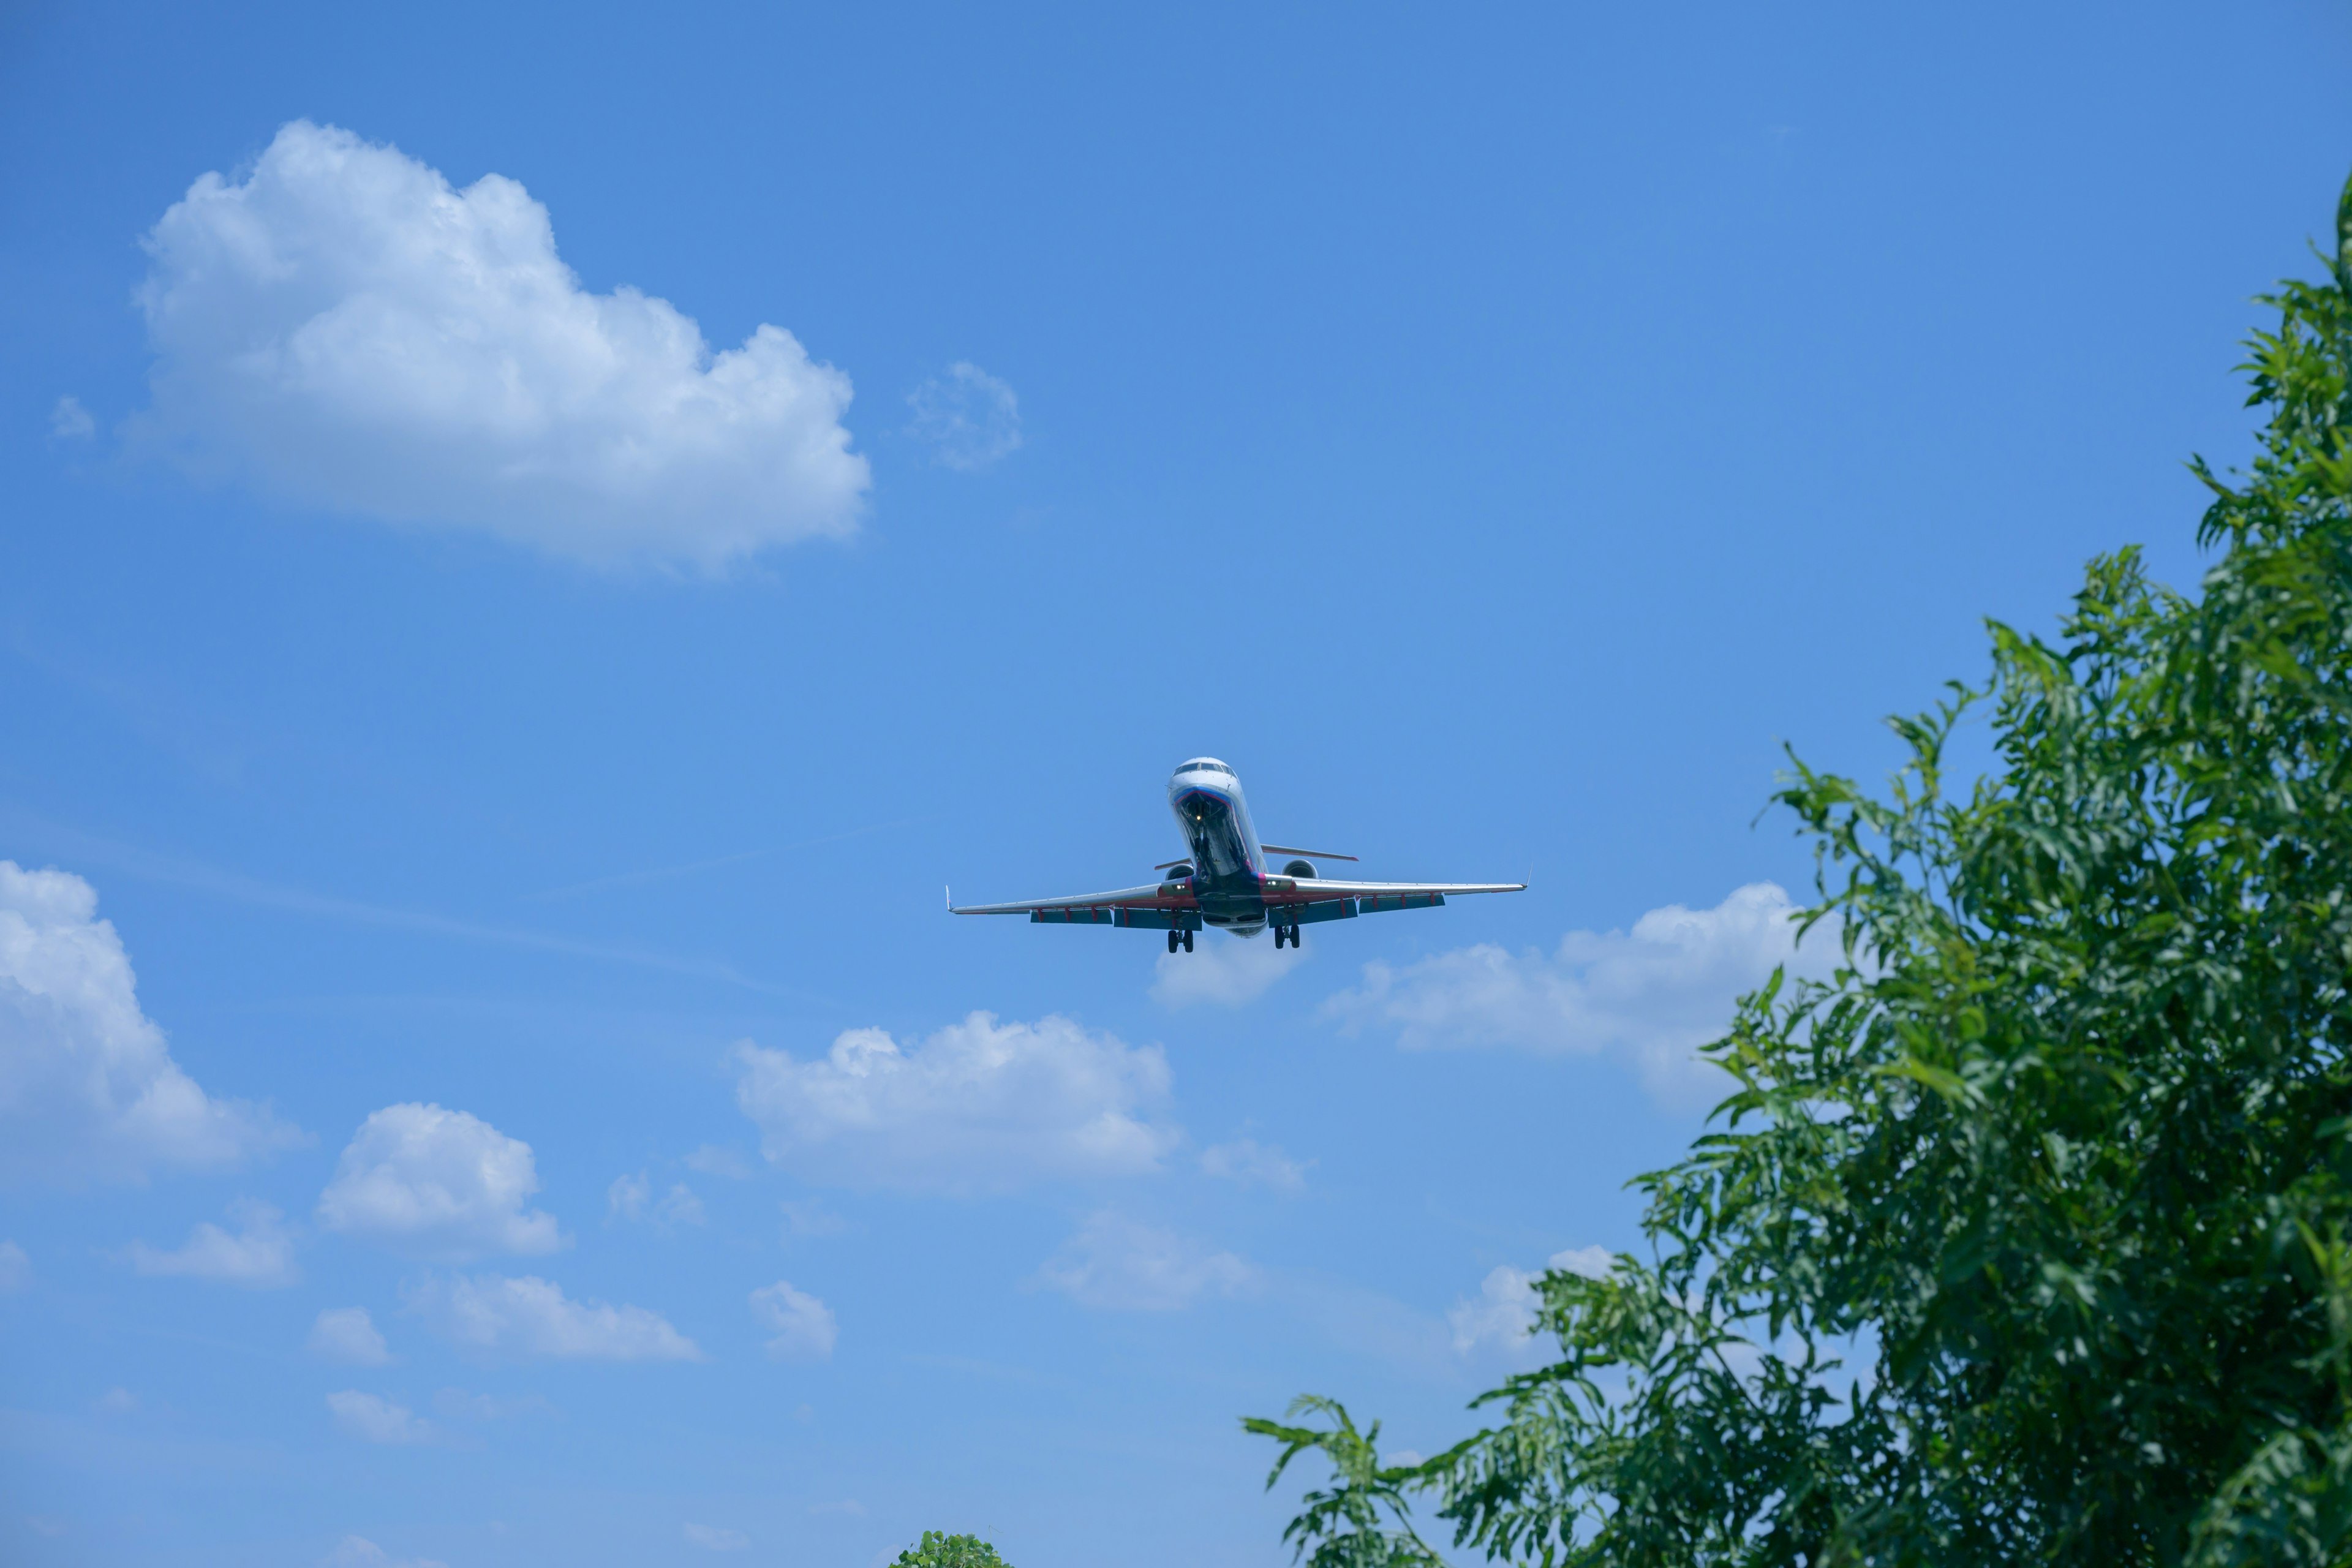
(806, 1330)
(70, 421)
(88, 1087)
(1253, 1163)
(631, 1198)
(969, 417)
(359, 1551)
(439, 1184)
(15, 1268)
(1504, 1311)
(528, 1316)
(348, 1334)
(377, 1420)
(260, 1256)
(118, 1400)
(1227, 973)
(1113, 1262)
(343, 329)
(978, 1106)
(711, 1538)
(1655, 994)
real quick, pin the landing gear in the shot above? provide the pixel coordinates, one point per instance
(1188, 942)
(1285, 933)
(1183, 938)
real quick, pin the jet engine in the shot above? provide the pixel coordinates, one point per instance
(1178, 872)
(1300, 868)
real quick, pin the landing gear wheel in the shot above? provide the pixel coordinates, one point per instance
(1188, 942)
(1174, 937)
(1280, 937)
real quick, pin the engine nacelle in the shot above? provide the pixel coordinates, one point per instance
(1300, 868)
(1177, 872)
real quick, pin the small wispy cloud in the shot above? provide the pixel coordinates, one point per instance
(1248, 1163)
(349, 1335)
(70, 421)
(632, 1198)
(377, 1420)
(260, 1256)
(803, 1326)
(1117, 1264)
(969, 417)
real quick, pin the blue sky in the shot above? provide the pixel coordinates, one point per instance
(494, 679)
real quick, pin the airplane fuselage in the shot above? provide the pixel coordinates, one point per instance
(1228, 866)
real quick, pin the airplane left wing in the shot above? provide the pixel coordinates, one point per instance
(1319, 890)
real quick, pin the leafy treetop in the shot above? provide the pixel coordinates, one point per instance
(2027, 1239)
(937, 1551)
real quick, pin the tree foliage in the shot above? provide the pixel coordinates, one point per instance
(2027, 1238)
(939, 1551)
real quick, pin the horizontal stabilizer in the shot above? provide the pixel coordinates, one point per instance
(1310, 853)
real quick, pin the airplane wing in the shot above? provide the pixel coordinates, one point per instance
(1381, 895)
(1153, 895)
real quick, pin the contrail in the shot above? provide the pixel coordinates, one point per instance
(180, 872)
(663, 873)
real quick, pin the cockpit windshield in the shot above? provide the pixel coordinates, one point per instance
(1206, 764)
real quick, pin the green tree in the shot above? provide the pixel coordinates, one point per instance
(2028, 1238)
(937, 1551)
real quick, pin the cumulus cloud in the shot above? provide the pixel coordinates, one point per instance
(70, 421)
(348, 1334)
(528, 1316)
(1503, 1313)
(345, 330)
(1252, 1164)
(632, 1198)
(437, 1184)
(377, 1420)
(978, 1106)
(88, 1087)
(15, 1268)
(969, 417)
(1653, 994)
(1113, 1262)
(712, 1538)
(260, 1256)
(805, 1327)
(1223, 974)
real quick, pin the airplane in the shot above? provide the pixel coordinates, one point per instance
(1224, 882)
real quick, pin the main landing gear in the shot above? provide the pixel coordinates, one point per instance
(1183, 938)
(1285, 933)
